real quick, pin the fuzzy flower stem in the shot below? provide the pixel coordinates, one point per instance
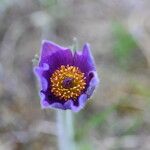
(61, 129)
(70, 129)
(65, 130)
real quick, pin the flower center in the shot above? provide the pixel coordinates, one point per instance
(67, 82)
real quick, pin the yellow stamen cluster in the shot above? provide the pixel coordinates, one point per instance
(76, 84)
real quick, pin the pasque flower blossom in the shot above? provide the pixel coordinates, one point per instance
(67, 79)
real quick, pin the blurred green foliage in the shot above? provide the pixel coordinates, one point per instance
(124, 45)
(48, 3)
(1, 1)
(84, 145)
(126, 106)
(99, 118)
(140, 89)
(93, 122)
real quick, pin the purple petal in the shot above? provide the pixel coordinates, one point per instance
(60, 58)
(92, 84)
(68, 104)
(48, 100)
(82, 101)
(39, 73)
(57, 105)
(47, 49)
(84, 60)
(57, 59)
(45, 104)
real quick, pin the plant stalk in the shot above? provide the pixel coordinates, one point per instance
(65, 130)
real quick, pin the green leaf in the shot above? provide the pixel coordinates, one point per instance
(124, 45)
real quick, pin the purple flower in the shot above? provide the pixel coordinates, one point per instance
(67, 79)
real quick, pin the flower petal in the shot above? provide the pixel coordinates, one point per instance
(57, 105)
(39, 73)
(92, 83)
(82, 101)
(84, 60)
(48, 48)
(45, 104)
(57, 59)
(68, 104)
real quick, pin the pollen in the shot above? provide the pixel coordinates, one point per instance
(67, 82)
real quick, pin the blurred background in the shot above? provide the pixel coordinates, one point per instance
(118, 116)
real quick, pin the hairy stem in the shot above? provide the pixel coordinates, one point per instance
(65, 130)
